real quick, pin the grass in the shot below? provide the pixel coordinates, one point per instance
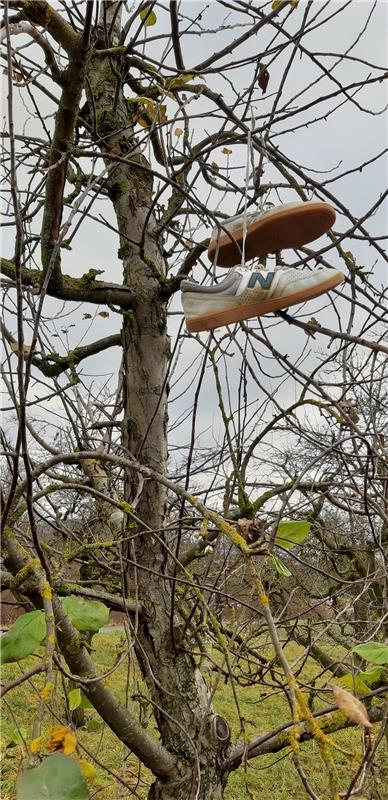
(271, 776)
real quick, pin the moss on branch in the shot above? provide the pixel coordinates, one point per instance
(81, 290)
(41, 13)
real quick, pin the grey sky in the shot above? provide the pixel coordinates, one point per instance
(347, 138)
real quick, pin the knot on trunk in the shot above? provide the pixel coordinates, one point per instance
(221, 729)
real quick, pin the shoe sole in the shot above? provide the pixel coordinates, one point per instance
(208, 322)
(285, 228)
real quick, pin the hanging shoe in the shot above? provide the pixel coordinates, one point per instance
(246, 293)
(289, 225)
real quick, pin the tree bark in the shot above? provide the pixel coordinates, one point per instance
(177, 691)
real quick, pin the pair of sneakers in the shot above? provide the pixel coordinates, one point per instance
(247, 293)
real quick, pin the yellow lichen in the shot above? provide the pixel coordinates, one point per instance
(24, 573)
(47, 691)
(36, 744)
(47, 591)
(293, 737)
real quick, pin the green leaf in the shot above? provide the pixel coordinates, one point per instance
(280, 567)
(375, 652)
(86, 615)
(372, 675)
(353, 682)
(151, 18)
(180, 80)
(18, 737)
(74, 698)
(58, 777)
(93, 725)
(23, 637)
(85, 702)
(290, 533)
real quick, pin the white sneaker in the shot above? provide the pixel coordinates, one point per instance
(289, 225)
(246, 293)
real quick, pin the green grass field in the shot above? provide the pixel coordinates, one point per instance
(271, 776)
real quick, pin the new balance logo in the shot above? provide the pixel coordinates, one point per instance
(265, 281)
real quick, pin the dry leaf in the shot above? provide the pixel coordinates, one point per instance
(15, 349)
(351, 706)
(178, 132)
(103, 314)
(263, 79)
(87, 316)
(62, 738)
(250, 531)
(349, 407)
(36, 744)
(226, 151)
(87, 769)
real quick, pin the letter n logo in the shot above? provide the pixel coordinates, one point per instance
(265, 281)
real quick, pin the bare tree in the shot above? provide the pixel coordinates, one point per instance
(142, 126)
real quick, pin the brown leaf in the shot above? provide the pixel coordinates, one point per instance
(250, 531)
(349, 407)
(351, 706)
(103, 314)
(87, 316)
(263, 79)
(62, 738)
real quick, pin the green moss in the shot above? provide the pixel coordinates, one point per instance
(106, 122)
(127, 508)
(124, 251)
(107, 74)
(116, 189)
(79, 181)
(88, 278)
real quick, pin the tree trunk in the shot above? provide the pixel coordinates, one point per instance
(177, 691)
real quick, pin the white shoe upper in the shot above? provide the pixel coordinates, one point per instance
(243, 286)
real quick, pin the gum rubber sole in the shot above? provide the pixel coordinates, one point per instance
(208, 322)
(284, 228)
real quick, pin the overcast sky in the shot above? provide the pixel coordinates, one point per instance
(347, 138)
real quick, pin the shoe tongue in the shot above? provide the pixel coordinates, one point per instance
(240, 270)
(249, 270)
(233, 273)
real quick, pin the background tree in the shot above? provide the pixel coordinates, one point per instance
(147, 125)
